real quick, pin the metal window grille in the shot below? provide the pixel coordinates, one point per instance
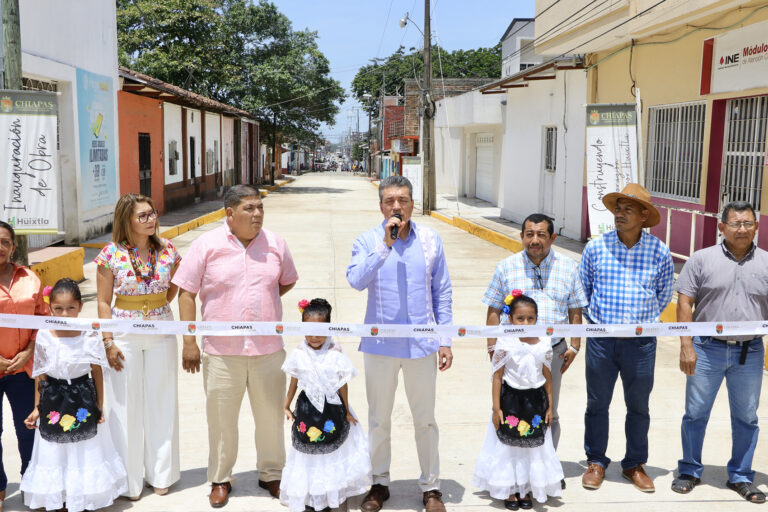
(744, 150)
(675, 150)
(550, 149)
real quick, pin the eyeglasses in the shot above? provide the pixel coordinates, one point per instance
(146, 217)
(537, 275)
(6, 243)
(747, 224)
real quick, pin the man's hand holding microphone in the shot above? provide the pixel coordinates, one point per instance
(392, 229)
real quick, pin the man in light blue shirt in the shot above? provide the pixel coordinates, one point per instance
(408, 283)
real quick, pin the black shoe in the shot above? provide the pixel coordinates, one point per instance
(562, 484)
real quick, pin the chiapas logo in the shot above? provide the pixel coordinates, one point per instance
(279, 329)
(95, 326)
(462, 331)
(638, 330)
(191, 328)
(550, 330)
(374, 330)
(594, 117)
(719, 328)
(6, 104)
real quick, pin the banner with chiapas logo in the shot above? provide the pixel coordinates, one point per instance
(30, 169)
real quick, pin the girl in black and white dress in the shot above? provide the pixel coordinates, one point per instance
(328, 461)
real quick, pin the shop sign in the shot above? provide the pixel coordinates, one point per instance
(402, 146)
(737, 60)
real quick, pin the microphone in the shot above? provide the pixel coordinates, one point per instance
(394, 229)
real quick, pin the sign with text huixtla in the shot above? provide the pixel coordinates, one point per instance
(611, 158)
(30, 161)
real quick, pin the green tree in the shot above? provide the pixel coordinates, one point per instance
(242, 53)
(386, 75)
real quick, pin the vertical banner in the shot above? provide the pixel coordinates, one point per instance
(30, 161)
(96, 126)
(412, 169)
(611, 158)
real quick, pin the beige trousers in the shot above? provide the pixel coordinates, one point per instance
(419, 376)
(225, 379)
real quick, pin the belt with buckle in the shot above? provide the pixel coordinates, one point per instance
(744, 347)
(142, 303)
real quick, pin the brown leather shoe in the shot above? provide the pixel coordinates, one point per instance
(593, 476)
(433, 501)
(272, 486)
(375, 498)
(638, 477)
(219, 494)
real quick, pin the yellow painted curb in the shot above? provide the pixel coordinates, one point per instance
(275, 187)
(481, 232)
(67, 265)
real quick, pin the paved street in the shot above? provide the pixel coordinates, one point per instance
(320, 215)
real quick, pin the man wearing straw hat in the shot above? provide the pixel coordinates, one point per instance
(627, 275)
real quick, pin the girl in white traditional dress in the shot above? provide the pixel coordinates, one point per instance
(74, 463)
(328, 461)
(518, 458)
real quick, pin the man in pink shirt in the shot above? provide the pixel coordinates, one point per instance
(240, 271)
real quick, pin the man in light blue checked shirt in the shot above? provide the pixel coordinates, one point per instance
(628, 276)
(553, 281)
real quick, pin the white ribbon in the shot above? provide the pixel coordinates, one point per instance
(137, 326)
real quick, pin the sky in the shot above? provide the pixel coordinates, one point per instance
(352, 32)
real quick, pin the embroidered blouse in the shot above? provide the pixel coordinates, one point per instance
(320, 373)
(523, 363)
(117, 258)
(68, 358)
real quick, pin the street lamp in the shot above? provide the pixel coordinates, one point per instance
(429, 189)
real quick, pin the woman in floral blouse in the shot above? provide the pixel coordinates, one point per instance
(142, 390)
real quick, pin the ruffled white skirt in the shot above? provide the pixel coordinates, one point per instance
(86, 475)
(504, 470)
(327, 480)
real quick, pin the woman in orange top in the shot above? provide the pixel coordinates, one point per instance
(20, 294)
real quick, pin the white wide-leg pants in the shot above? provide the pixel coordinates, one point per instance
(142, 404)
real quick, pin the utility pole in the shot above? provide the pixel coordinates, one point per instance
(428, 185)
(11, 64)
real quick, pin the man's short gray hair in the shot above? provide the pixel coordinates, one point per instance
(235, 195)
(395, 181)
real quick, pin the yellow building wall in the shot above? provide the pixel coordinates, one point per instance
(667, 73)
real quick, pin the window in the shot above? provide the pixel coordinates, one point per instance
(173, 158)
(744, 150)
(524, 66)
(550, 148)
(674, 155)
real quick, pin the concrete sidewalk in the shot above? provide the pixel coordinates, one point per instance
(320, 215)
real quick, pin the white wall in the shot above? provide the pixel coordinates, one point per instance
(213, 139)
(193, 130)
(172, 132)
(529, 110)
(458, 120)
(56, 39)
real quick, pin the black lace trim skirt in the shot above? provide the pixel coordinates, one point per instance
(316, 432)
(524, 411)
(69, 411)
